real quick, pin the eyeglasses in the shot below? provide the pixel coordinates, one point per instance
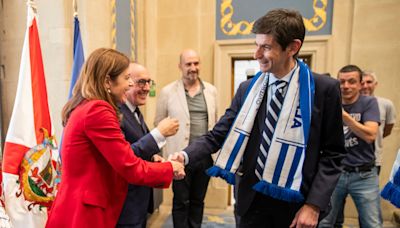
(142, 82)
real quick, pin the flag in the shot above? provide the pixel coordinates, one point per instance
(30, 167)
(77, 61)
(78, 55)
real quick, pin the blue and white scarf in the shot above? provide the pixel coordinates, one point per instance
(391, 191)
(282, 175)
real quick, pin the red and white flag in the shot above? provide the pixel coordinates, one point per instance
(30, 161)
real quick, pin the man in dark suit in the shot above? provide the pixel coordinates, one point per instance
(279, 37)
(146, 144)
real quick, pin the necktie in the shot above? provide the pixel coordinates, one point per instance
(273, 111)
(140, 119)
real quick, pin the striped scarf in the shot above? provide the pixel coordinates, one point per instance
(282, 175)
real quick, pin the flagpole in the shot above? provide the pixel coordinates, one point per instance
(32, 4)
(78, 56)
(75, 6)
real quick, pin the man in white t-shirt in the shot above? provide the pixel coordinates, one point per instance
(387, 113)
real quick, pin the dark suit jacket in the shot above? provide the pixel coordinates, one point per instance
(139, 199)
(325, 149)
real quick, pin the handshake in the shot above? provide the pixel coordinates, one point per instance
(178, 164)
(168, 127)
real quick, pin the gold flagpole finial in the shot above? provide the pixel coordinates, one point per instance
(32, 4)
(75, 6)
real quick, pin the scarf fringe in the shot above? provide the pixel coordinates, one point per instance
(391, 192)
(279, 193)
(216, 171)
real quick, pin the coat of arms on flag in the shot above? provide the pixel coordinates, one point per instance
(38, 173)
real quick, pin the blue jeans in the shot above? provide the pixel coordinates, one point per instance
(363, 188)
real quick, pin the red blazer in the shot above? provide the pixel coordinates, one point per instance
(97, 165)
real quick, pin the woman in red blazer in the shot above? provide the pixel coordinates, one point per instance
(97, 162)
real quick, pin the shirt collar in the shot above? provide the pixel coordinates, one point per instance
(286, 78)
(131, 107)
(202, 87)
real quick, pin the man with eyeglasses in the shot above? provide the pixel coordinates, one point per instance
(193, 102)
(146, 144)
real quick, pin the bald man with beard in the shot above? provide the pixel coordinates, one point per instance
(194, 103)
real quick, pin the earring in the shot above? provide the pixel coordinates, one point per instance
(109, 90)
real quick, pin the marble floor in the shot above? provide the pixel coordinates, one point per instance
(219, 218)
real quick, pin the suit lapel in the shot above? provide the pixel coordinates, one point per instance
(131, 121)
(209, 105)
(182, 98)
